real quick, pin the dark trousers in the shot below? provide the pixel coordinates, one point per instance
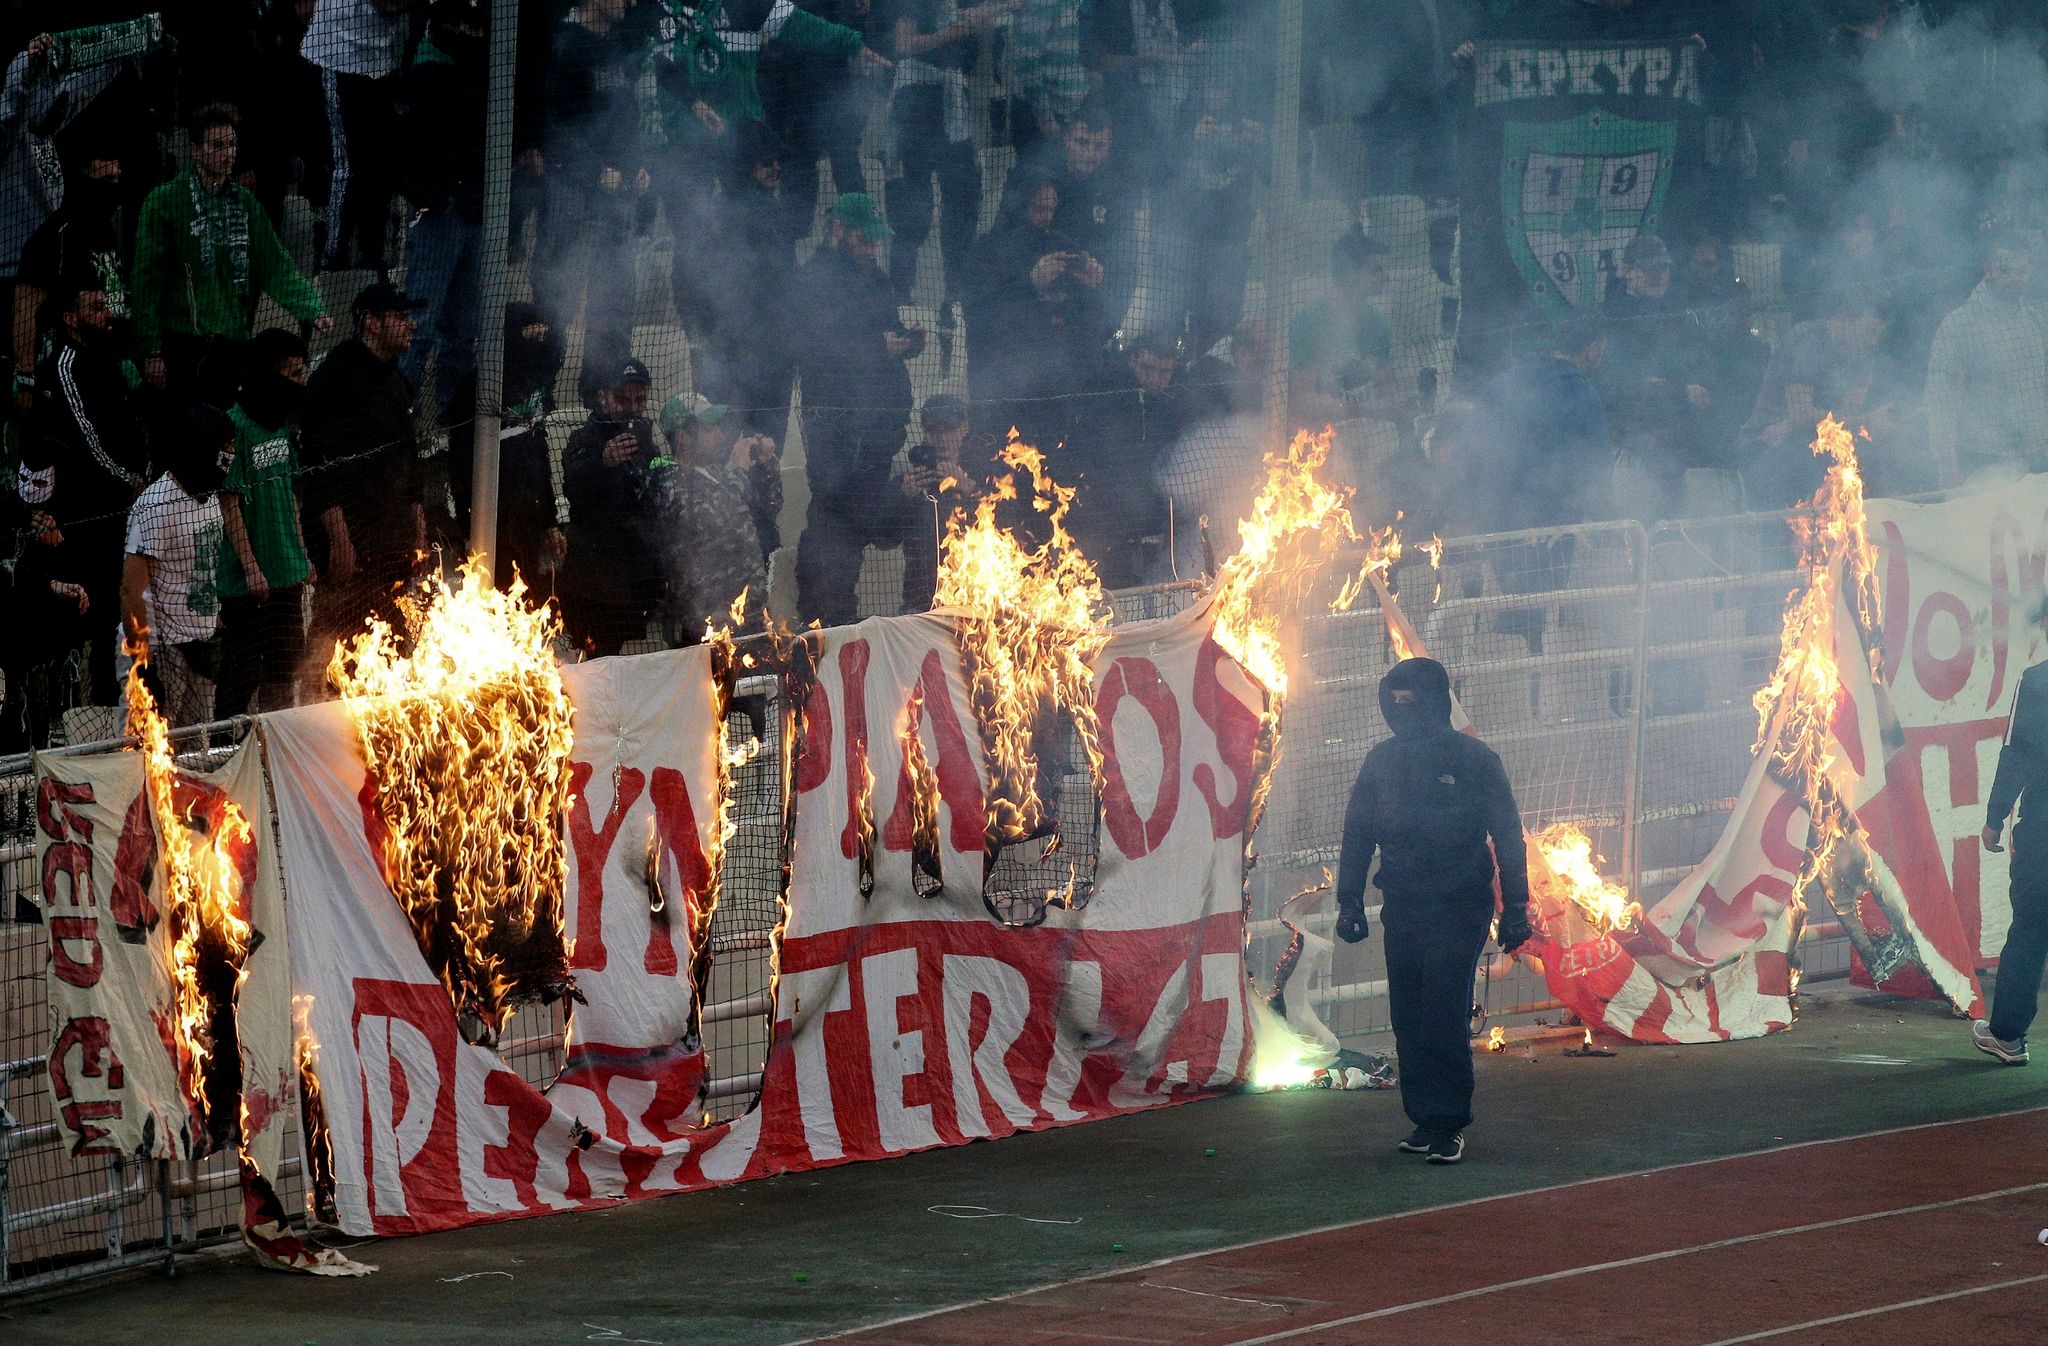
(586, 252)
(262, 641)
(928, 155)
(1432, 953)
(368, 109)
(2025, 954)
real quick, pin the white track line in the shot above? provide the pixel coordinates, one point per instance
(1883, 1308)
(1594, 1268)
(1342, 1225)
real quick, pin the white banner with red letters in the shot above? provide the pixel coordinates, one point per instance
(1913, 749)
(902, 1020)
(116, 1048)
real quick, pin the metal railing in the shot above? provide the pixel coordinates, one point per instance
(1611, 666)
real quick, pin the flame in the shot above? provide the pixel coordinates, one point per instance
(203, 897)
(1032, 619)
(1568, 852)
(466, 742)
(1588, 1041)
(1297, 525)
(312, 1108)
(1799, 699)
(1497, 1040)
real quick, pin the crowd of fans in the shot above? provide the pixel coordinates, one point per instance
(212, 467)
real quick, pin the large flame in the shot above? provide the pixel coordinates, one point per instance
(204, 901)
(1568, 852)
(1297, 526)
(466, 740)
(1032, 618)
(1795, 707)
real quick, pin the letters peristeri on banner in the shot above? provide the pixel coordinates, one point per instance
(901, 1020)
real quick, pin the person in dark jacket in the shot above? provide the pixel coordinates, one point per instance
(1122, 432)
(360, 471)
(447, 96)
(530, 536)
(2022, 780)
(596, 175)
(611, 580)
(857, 399)
(85, 413)
(1429, 800)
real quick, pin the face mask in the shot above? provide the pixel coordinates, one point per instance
(272, 399)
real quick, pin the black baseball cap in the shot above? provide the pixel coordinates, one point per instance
(633, 371)
(383, 297)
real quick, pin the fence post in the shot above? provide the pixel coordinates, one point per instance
(1282, 202)
(1632, 789)
(491, 277)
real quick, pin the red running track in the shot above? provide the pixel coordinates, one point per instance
(1902, 1238)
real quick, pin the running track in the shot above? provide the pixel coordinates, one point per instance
(1898, 1238)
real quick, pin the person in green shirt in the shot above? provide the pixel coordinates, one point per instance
(204, 254)
(264, 564)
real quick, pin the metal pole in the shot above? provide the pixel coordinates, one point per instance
(1281, 206)
(1638, 693)
(491, 268)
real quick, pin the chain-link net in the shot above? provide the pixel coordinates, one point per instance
(711, 294)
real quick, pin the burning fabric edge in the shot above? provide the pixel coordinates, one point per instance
(223, 896)
(464, 728)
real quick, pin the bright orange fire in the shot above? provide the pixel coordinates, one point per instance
(1801, 695)
(464, 729)
(1568, 852)
(203, 898)
(1031, 621)
(1297, 526)
(313, 1110)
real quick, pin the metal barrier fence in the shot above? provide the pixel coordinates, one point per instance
(1610, 665)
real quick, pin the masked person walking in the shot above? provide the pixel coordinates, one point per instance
(1429, 800)
(2022, 780)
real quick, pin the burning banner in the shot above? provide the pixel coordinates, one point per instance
(464, 731)
(900, 1019)
(168, 978)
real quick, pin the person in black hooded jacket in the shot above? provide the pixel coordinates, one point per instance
(1429, 800)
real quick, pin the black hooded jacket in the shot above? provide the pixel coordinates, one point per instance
(1428, 799)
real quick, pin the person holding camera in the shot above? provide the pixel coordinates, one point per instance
(715, 494)
(611, 578)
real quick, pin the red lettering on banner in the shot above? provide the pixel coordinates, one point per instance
(1942, 677)
(593, 846)
(814, 757)
(1740, 917)
(526, 1111)
(411, 1159)
(676, 823)
(1139, 678)
(134, 871)
(53, 809)
(853, 677)
(91, 1038)
(1236, 727)
(959, 783)
(75, 969)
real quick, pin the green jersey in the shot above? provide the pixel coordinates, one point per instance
(263, 478)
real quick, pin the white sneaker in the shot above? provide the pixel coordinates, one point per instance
(2013, 1053)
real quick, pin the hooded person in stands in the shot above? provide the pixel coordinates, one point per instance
(170, 598)
(530, 536)
(1428, 801)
